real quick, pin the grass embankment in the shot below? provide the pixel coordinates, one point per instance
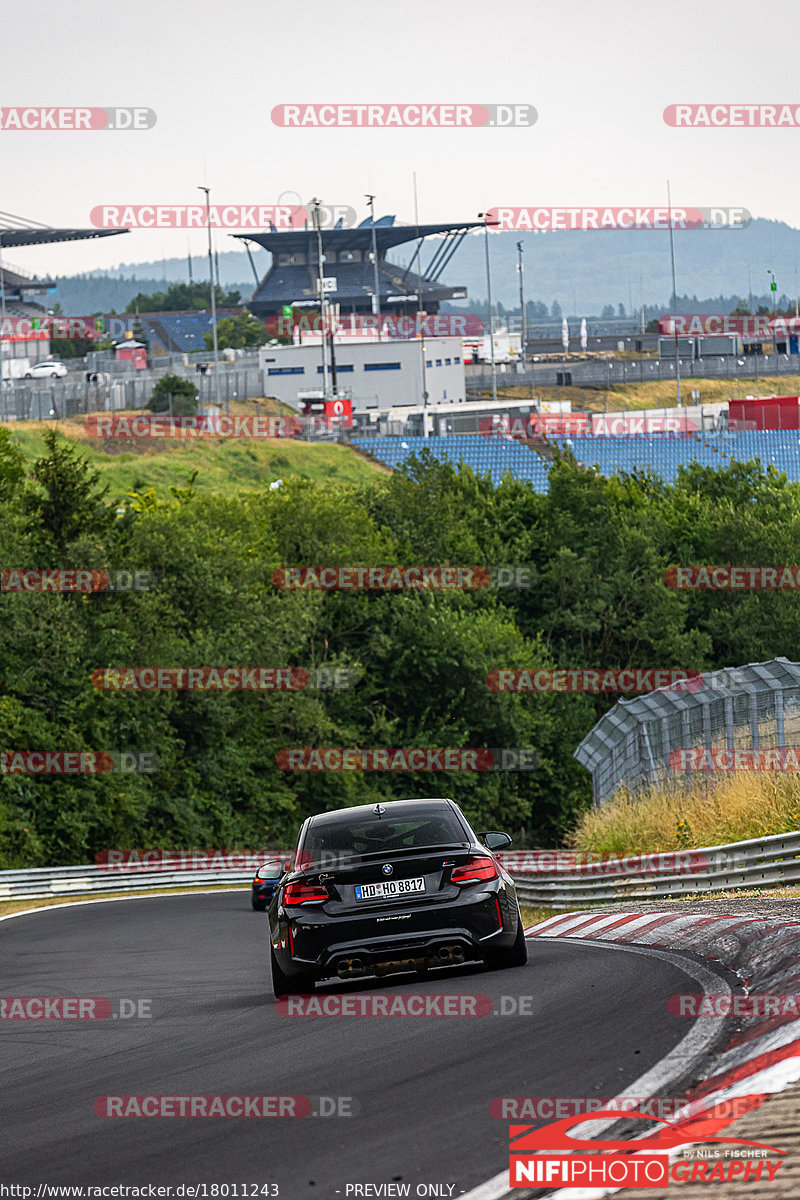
(658, 393)
(730, 809)
(225, 466)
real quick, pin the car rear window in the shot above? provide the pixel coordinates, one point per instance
(370, 834)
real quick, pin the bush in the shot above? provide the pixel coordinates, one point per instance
(182, 391)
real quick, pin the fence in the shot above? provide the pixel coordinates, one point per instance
(607, 373)
(767, 862)
(758, 863)
(75, 395)
(66, 881)
(752, 707)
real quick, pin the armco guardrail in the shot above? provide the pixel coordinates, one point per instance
(759, 863)
(66, 881)
(555, 878)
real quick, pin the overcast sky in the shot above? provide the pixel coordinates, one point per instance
(598, 74)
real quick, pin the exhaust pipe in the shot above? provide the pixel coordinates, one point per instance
(348, 968)
(451, 954)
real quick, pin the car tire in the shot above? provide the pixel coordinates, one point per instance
(515, 956)
(258, 905)
(285, 985)
(28, 376)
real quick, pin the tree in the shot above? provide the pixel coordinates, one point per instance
(237, 332)
(183, 297)
(555, 311)
(182, 392)
(12, 466)
(69, 503)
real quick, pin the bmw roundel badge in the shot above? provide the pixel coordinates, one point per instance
(387, 868)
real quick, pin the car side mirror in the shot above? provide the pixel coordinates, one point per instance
(496, 841)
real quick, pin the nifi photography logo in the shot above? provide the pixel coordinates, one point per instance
(551, 1156)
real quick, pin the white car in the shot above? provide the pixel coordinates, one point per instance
(46, 370)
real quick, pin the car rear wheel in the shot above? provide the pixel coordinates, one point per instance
(515, 956)
(285, 985)
(258, 905)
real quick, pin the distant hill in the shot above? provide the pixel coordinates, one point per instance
(583, 271)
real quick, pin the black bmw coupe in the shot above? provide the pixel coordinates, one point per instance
(405, 885)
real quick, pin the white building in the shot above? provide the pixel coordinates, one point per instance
(376, 375)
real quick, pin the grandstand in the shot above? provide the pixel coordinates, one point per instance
(170, 332)
(292, 277)
(662, 453)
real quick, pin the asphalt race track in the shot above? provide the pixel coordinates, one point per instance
(421, 1087)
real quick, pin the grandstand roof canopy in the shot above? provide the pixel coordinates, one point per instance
(19, 231)
(292, 280)
(360, 238)
(39, 237)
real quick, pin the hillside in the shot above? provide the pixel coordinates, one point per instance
(225, 466)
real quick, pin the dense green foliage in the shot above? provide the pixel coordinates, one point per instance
(183, 297)
(237, 332)
(598, 548)
(174, 394)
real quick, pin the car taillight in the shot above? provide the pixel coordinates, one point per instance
(475, 870)
(304, 893)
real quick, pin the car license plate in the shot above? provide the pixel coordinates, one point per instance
(389, 887)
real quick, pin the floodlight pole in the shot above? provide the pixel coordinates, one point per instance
(217, 394)
(674, 295)
(376, 299)
(321, 286)
(423, 374)
(485, 218)
(520, 249)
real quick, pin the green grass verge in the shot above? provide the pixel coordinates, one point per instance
(225, 466)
